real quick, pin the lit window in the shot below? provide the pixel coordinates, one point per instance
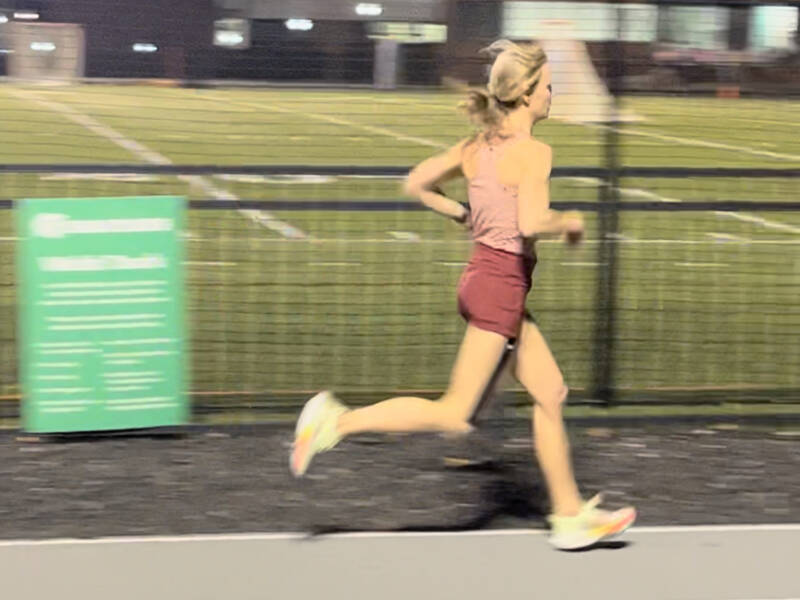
(228, 38)
(366, 9)
(233, 34)
(43, 46)
(300, 24)
(146, 48)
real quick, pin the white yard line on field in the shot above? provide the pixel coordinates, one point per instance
(625, 191)
(727, 237)
(748, 218)
(696, 142)
(700, 265)
(141, 151)
(343, 122)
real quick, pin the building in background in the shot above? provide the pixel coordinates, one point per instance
(392, 42)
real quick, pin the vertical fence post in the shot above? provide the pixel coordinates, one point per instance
(604, 358)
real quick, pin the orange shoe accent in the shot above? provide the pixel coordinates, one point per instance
(300, 450)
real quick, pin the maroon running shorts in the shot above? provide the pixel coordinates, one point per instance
(492, 289)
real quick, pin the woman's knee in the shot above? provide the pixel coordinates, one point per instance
(554, 398)
(454, 413)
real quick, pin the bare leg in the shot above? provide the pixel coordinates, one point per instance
(537, 370)
(477, 359)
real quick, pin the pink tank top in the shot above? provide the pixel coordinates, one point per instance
(493, 205)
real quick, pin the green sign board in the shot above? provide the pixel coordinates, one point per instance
(101, 313)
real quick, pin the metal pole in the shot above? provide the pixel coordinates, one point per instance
(608, 227)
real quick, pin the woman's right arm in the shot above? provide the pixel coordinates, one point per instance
(424, 179)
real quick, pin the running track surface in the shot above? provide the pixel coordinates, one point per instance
(649, 563)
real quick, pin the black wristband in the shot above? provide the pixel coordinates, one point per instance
(463, 218)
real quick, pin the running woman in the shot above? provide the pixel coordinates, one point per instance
(507, 172)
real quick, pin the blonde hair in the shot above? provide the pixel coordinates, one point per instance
(516, 71)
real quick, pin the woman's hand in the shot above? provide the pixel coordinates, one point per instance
(573, 228)
(465, 220)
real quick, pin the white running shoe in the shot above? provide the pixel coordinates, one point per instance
(589, 526)
(315, 431)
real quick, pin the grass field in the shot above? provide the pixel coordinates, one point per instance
(291, 301)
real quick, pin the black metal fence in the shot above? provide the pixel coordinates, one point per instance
(684, 157)
(690, 302)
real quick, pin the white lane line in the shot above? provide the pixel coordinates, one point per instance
(700, 265)
(450, 264)
(405, 236)
(410, 102)
(646, 194)
(625, 191)
(696, 142)
(344, 122)
(713, 112)
(245, 537)
(143, 152)
(702, 143)
(727, 237)
(587, 181)
(334, 264)
(748, 218)
(640, 193)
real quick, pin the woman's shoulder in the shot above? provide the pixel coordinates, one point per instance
(530, 144)
(528, 150)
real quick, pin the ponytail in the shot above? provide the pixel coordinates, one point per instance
(482, 108)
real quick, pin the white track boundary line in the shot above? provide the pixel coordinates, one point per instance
(343, 122)
(695, 142)
(749, 218)
(727, 237)
(335, 120)
(449, 108)
(259, 217)
(625, 191)
(711, 112)
(701, 265)
(246, 537)
(706, 144)
(640, 193)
